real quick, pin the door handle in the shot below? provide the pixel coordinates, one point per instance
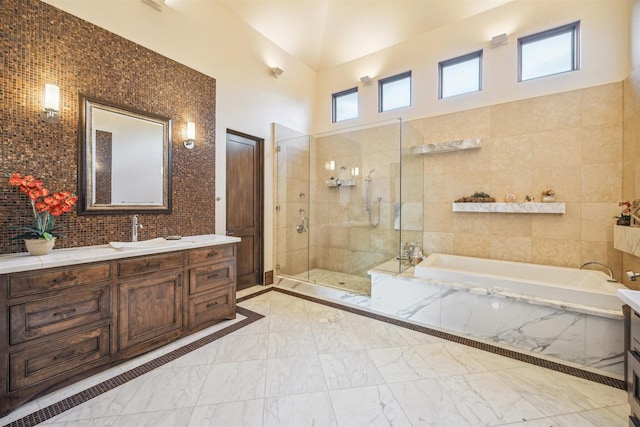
(229, 233)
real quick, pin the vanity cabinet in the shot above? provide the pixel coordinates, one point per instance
(65, 323)
(59, 325)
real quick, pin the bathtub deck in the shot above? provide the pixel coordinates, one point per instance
(578, 336)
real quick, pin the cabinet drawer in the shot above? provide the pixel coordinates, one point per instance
(47, 316)
(25, 284)
(147, 264)
(58, 358)
(214, 305)
(207, 278)
(212, 253)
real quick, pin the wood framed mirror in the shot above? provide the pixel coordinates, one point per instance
(124, 159)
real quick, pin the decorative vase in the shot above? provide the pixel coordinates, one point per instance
(548, 199)
(38, 247)
(624, 220)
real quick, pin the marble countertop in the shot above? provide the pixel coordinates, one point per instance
(630, 297)
(12, 263)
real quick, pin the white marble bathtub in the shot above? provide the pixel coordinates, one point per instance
(558, 285)
(565, 314)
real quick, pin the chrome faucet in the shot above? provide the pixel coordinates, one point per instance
(633, 276)
(611, 279)
(135, 226)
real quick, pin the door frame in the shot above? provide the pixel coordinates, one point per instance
(259, 185)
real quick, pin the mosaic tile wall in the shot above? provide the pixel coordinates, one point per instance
(41, 44)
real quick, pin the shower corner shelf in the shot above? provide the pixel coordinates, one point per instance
(537, 208)
(347, 182)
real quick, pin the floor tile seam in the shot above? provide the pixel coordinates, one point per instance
(80, 397)
(512, 354)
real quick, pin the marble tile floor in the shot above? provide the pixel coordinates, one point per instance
(308, 364)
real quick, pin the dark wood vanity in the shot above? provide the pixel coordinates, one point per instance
(66, 323)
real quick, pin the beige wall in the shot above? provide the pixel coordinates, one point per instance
(604, 59)
(571, 142)
(631, 147)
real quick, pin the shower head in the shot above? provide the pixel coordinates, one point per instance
(368, 177)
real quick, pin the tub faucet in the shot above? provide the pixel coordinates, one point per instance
(633, 276)
(135, 226)
(611, 279)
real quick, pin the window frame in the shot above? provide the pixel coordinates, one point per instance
(573, 28)
(392, 79)
(458, 60)
(334, 98)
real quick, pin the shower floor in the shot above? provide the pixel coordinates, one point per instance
(354, 284)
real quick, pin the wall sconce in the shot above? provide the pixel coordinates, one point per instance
(276, 71)
(365, 80)
(51, 113)
(499, 40)
(190, 142)
(355, 171)
(330, 165)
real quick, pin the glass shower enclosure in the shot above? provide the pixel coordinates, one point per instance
(347, 202)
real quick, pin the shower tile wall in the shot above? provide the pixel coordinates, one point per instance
(344, 239)
(571, 142)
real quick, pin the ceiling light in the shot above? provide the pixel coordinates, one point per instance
(499, 40)
(276, 71)
(156, 4)
(366, 80)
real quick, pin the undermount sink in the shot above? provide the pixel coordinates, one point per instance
(152, 243)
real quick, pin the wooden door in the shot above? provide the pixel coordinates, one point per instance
(245, 206)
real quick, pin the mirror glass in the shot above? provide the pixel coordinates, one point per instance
(126, 159)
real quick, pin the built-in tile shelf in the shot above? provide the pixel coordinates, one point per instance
(529, 208)
(446, 147)
(627, 239)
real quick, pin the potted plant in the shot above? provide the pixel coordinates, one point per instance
(46, 207)
(548, 196)
(625, 215)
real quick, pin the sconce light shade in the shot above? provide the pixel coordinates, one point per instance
(499, 40)
(366, 80)
(276, 71)
(51, 104)
(190, 142)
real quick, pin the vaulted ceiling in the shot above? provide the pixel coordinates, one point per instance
(325, 33)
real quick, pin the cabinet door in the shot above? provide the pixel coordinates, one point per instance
(149, 308)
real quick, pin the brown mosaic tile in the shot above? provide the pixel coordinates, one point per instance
(41, 44)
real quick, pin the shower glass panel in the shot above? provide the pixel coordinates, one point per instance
(359, 210)
(292, 218)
